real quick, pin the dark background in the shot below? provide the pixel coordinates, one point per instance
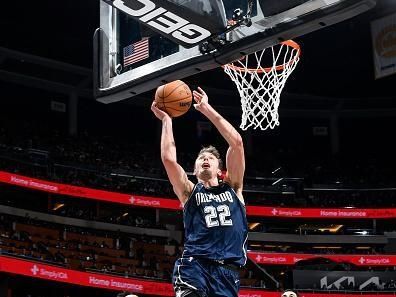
(337, 61)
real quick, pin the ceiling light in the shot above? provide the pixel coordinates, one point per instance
(58, 206)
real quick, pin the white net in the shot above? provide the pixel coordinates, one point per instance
(260, 87)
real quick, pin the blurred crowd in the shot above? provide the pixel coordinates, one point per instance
(104, 164)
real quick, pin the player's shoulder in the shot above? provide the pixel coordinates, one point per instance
(194, 189)
(236, 189)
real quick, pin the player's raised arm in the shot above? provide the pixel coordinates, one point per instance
(182, 186)
(235, 160)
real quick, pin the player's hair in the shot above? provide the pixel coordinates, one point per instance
(211, 149)
(290, 291)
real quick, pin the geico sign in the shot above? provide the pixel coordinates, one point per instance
(165, 21)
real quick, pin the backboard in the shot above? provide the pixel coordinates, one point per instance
(142, 44)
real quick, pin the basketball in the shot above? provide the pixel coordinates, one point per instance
(174, 98)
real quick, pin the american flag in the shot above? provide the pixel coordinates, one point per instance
(136, 52)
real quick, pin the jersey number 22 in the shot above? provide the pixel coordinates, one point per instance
(217, 216)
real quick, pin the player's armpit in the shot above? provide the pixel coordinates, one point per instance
(237, 187)
(185, 194)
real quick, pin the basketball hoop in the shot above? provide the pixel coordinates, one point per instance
(260, 87)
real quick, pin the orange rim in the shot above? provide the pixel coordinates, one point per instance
(289, 43)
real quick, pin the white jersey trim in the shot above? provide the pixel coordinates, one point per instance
(189, 197)
(179, 280)
(244, 249)
(241, 200)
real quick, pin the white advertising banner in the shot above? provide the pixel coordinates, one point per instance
(383, 32)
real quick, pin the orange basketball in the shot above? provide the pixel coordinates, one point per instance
(174, 98)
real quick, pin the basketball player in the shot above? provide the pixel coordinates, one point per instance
(214, 212)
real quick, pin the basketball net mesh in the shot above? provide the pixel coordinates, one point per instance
(260, 88)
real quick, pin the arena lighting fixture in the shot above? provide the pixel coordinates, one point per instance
(332, 228)
(255, 245)
(276, 170)
(363, 247)
(277, 181)
(362, 232)
(327, 247)
(252, 226)
(58, 206)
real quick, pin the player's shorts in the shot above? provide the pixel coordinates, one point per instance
(206, 278)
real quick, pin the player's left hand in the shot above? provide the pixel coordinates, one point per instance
(201, 100)
(160, 114)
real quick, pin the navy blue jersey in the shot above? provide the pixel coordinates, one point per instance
(215, 224)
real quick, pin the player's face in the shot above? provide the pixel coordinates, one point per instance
(206, 166)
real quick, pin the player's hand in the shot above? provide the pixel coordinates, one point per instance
(201, 100)
(160, 114)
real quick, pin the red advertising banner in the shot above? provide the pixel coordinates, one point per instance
(58, 274)
(291, 259)
(322, 213)
(57, 188)
(343, 295)
(54, 273)
(147, 201)
(257, 293)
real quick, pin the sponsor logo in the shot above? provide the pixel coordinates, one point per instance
(344, 281)
(34, 270)
(163, 20)
(139, 201)
(374, 261)
(182, 104)
(286, 213)
(343, 213)
(111, 283)
(295, 259)
(348, 280)
(265, 259)
(52, 274)
(274, 259)
(385, 42)
(33, 184)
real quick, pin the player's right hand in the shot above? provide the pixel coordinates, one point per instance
(201, 100)
(160, 114)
